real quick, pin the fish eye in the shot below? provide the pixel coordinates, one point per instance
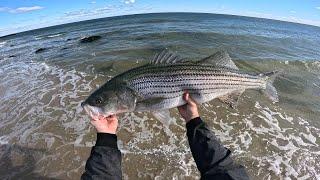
(99, 100)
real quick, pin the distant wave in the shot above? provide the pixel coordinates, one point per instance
(48, 36)
(38, 37)
(54, 35)
(2, 43)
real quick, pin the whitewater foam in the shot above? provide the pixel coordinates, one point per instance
(2, 43)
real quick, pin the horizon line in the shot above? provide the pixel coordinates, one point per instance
(164, 12)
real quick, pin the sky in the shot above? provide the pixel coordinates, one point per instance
(22, 15)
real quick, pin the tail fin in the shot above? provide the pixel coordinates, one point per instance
(270, 90)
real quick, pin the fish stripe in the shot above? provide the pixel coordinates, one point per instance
(192, 72)
(191, 90)
(183, 74)
(204, 81)
(138, 81)
(202, 84)
(181, 68)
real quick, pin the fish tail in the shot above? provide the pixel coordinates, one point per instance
(270, 91)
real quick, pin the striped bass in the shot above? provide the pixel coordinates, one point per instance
(160, 85)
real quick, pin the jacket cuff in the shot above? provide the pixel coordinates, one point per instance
(193, 123)
(106, 139)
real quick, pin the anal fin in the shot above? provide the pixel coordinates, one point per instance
(232, 98)
(163, 116)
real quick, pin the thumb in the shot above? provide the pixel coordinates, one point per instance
(189, 99)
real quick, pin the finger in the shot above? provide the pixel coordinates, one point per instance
(186, 96)
(189, 99)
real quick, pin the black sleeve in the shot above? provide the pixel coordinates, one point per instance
(105, 159)
(213, 159)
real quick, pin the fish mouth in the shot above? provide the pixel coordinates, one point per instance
(95, 113)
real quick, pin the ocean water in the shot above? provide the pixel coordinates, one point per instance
(45, 134)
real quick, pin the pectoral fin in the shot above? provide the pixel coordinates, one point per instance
(231, 99)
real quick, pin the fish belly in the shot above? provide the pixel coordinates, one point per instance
(168, 103)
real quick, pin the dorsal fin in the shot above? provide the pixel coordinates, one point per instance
(166, 57)
(219, 59)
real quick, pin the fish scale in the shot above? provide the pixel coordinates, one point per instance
(177, 78)
(160, 85)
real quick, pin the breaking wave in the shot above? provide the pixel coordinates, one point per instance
(2, 43)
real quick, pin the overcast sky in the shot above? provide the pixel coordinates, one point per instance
(22, 15)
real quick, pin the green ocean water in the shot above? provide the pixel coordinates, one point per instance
(44, 132)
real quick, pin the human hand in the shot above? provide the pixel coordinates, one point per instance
(189, 110)
(106, 125)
